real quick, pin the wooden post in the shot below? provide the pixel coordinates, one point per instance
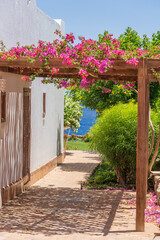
(142, 144)
(26, 133)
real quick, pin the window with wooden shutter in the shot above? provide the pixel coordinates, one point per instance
(44, 105)
(3, 106)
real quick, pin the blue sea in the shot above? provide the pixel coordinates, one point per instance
(87, 121)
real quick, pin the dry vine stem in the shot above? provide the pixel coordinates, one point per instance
(152, 128)
(152, 141)
(155, 153)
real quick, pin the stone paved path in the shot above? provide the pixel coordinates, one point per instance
(56, 208)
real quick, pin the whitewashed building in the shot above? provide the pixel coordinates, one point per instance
(31, 126)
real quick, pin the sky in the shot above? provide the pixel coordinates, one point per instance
(92, 17)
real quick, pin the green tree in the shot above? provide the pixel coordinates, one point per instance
(146, 42)
(72, 113)
(156, 39)
(130, 40)
(95, 98)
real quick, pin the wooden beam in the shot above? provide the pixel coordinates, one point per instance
(153, 63)
(70, 73)
(119, 71)
(118, 78)
(22, 62)
(142, 144)
(122, 72)
(121, 64)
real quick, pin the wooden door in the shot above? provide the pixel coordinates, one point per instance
(26, 133)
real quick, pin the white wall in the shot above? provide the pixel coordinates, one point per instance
(21, 21)
(44, 131)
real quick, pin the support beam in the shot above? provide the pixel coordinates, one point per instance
(142, 144)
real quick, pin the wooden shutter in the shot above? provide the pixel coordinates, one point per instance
(44, 105)
(3, 106)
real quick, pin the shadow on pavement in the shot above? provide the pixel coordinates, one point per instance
(78, 167)
(69, 153)
(61, 211)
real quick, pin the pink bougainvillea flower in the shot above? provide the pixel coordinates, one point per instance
(4, 57)
(132, 61)
(70, 37)
(55, 70)
(105, 90)
(83, 73)
(90, 56)
(25, 78)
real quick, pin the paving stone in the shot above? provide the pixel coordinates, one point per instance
(55, 208)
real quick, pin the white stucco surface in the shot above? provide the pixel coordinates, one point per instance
(46, 132)
(21, 21)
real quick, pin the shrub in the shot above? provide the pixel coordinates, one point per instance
(72, 113)
(103, 174)
(114, 136)
(86, 137)
(73, 137)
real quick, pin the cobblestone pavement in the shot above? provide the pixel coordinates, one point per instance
(56, 208)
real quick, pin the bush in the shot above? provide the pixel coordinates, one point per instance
(115, 137)
(86, 137)
(103, 174)
(72, 113)
(73, 137)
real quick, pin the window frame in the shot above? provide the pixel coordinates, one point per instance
(44, 105)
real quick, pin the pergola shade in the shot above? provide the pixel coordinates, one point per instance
(119, 72)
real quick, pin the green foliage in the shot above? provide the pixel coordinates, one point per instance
(130, 40)
(155, 117)
(78, 145)
(154, 94)
(77, 137)
(86, 137)
(72, 113)
(103, 39)
(146, 43)
(103, 174)
(156, 39)
(115, 136)
(156, 104)
(95, 99)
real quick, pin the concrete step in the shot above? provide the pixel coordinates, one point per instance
(157, 173)
(157, 236)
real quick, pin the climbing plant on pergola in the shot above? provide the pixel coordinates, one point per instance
(83, 64)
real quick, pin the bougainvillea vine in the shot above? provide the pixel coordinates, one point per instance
(88, 55)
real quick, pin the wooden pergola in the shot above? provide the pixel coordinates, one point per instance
(120, 72)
